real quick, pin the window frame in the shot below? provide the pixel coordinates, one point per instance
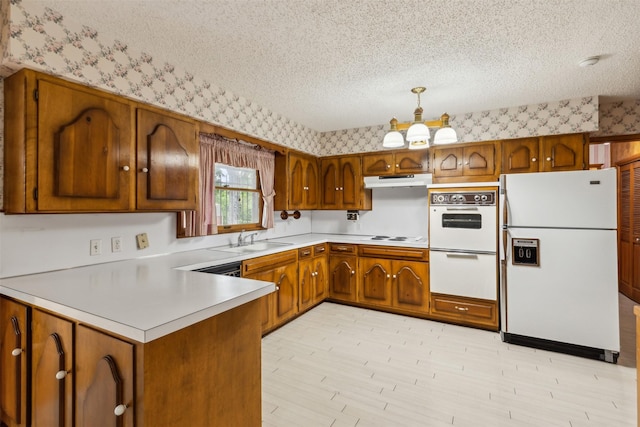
(233, 228)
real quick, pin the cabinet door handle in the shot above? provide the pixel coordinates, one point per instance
(534, 159)
(461, 308)
(60, 375)
(277, 288)
(395, 277)
(388, 166)
(341, 188)
(16, 352)
(119, 410)
(125, 168)
(145, 170)
(337, 188)
(341, 248)
(466, 163)
(353, 272)
(548, 159)
(397, 165)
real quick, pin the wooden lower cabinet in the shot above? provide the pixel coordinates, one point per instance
(104, 378)
(52, 370)
(390, 282)
(207, 374)
(343, 264)
(312, 276)
(281, 269)
(465, 310)
(14, 347)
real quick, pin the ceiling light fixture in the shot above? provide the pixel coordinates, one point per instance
(418, 134)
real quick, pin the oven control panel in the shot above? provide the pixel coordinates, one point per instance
(485, 198)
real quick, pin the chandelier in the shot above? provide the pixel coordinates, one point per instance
(418, 134)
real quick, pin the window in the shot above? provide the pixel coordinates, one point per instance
(237, 197)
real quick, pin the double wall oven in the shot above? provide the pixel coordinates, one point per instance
(463, 241)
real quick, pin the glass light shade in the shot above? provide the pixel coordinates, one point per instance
(418, 136)
(393, 139)
(446, 135)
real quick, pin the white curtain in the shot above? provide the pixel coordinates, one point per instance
(218, 149)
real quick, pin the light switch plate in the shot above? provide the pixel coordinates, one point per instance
(95, 247)
(142, 240)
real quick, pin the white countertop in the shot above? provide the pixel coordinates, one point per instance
(147, 298)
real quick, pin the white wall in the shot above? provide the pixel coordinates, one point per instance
(396, 212)
(37, 243)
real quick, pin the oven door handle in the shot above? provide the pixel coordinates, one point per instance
(460, 255)
(463, 209)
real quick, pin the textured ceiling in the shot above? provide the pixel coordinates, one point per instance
(338, 64)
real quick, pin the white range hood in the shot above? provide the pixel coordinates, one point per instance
(412, 180)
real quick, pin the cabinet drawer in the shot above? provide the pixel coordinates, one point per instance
(306, 252)
(339, 248)
(319, 249)
(472, 309)
(394, 252)
(269, 261)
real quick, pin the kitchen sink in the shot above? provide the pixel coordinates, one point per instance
(256, 247)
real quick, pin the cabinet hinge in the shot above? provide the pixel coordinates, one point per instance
(35, 193)
(36, 95)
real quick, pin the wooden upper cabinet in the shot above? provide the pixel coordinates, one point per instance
(545, 154)
(296, 181)
(83, 150)
(13, 363)
(167, 162)
(520, 155)
(342, 186)
(104, 375)
(395, 163)
(71, 148)
(471, 162)
(564, 152)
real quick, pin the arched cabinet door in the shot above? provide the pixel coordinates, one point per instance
(104, 380)
(84, 157)
(411, 286)
(13, 363)
(343, 277)
(167, 162)
(375, 281)
(51, 371)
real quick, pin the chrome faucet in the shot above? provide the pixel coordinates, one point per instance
(242, 240)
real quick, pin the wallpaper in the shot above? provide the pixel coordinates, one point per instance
(4, 28)
(619, 118)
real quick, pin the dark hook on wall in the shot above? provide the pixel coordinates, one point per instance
(295, 214)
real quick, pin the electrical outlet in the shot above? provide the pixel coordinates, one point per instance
(142, 240)
(116, 244)
(95, 247)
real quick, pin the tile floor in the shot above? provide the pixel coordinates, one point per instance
(344, 366)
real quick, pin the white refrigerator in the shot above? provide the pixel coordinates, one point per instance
(559, 268)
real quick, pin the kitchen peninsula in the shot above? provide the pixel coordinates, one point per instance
(154, 345)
